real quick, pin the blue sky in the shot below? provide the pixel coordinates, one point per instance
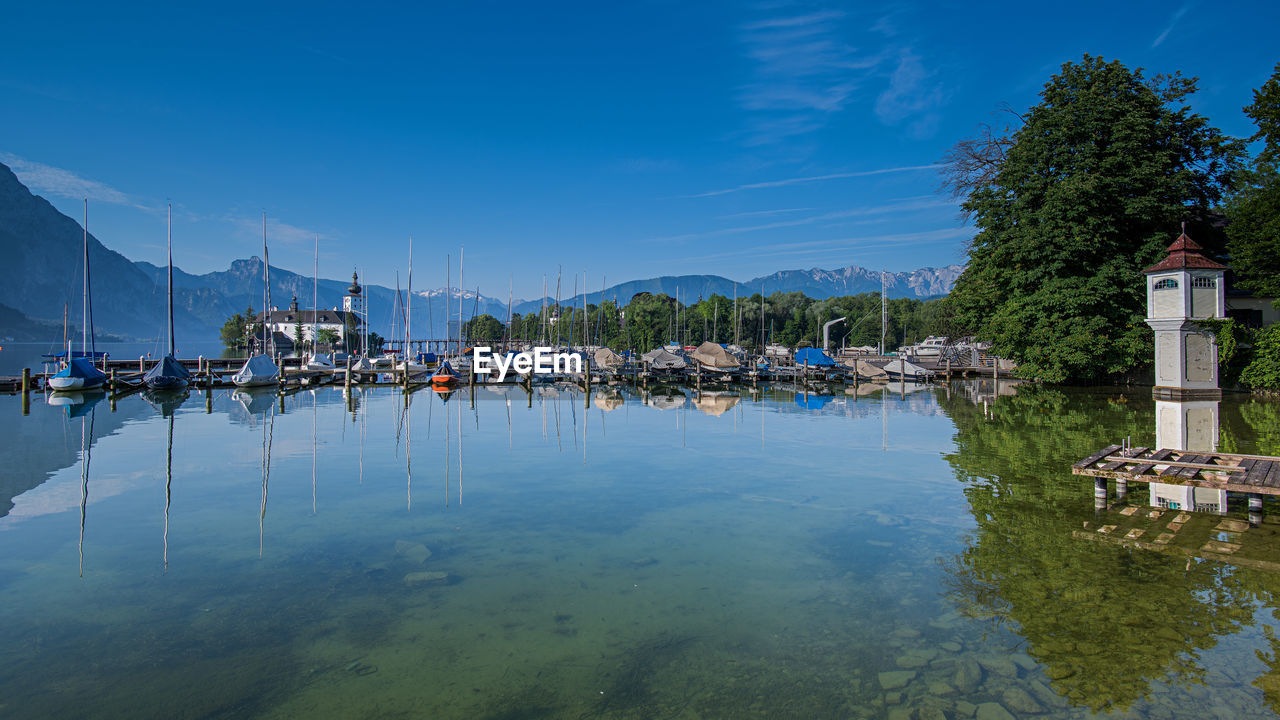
(625, 139)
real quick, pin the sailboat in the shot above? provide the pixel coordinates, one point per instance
(261, 369)
(317, 360)
(168, 373)
(80, 374)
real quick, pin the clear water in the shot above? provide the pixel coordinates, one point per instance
(889, 554)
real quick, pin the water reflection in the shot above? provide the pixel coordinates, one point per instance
(677, 568)
(1109, 619)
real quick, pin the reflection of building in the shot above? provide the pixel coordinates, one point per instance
(1188, 425)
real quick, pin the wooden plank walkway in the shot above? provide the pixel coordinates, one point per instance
(1258, 474)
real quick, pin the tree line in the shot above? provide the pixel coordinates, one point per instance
(792, 319)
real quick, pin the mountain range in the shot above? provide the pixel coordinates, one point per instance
(44, 248)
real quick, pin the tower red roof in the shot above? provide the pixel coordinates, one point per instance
(1184, 254)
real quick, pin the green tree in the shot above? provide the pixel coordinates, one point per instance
(327, 336)
(234, 332)
(1088, 193)
(1254, 211)
(483, 327)
(240, 329)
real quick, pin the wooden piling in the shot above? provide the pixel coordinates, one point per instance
(347, 382)
(142, 364)
(26, 380)
(115, 380)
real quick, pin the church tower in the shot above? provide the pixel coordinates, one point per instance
(1184, 287)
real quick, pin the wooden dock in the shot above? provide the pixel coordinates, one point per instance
(1253, 474)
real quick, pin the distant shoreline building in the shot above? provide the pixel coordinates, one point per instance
(348, 323)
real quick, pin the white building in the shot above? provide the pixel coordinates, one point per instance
(290, 322)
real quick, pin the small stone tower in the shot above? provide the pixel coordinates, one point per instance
(1184, 287)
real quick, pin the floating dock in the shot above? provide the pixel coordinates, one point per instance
(1253, 474)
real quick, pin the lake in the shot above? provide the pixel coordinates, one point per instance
(903, 552)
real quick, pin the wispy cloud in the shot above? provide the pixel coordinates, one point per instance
(804, 73)
(902, 205)
(910, 96)
(277, 231)
(757, 213)
(1173, 21)
(65, 183)
(812, 178)
(844, 245)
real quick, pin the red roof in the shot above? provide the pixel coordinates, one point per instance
(1184, 254)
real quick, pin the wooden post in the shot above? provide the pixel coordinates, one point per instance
(347, 383)
(948, 367)
(26, 391)
(142, 364)
(804, 378)
(1100, 493)
(199, 364)
(115, 380)
(995, 373)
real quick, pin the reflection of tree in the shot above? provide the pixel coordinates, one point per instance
(1105, 620)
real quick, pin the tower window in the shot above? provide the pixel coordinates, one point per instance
(1203, 282)
(1166, 284)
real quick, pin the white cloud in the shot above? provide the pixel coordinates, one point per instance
(812, 178)
(65, 183)
(1172, 22)
(277, 231)
(903, 205)
(804, 73)
(910, 96)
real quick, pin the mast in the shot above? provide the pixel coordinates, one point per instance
(266, 285)
(84, 312)
(884, 309)
(462, 252)
(315, 300)
(171, 280)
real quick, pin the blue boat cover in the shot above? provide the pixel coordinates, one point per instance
(169, 369)
(83, 368)
(815, 358)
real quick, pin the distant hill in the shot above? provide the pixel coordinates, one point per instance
(43, 250)
(816, 283)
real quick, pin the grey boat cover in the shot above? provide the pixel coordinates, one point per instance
(866, 370)
(662, 360)
(712, 355)
(903, 369)
(257, 369)
(364, 364)
(608, 359)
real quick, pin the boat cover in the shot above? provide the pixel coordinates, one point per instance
(83, 368)
(166, 372)
(713, 355)
(901, 368)
(662, 360)
(815, 357)
(866, 370)
(259, 368)
(606, 358)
